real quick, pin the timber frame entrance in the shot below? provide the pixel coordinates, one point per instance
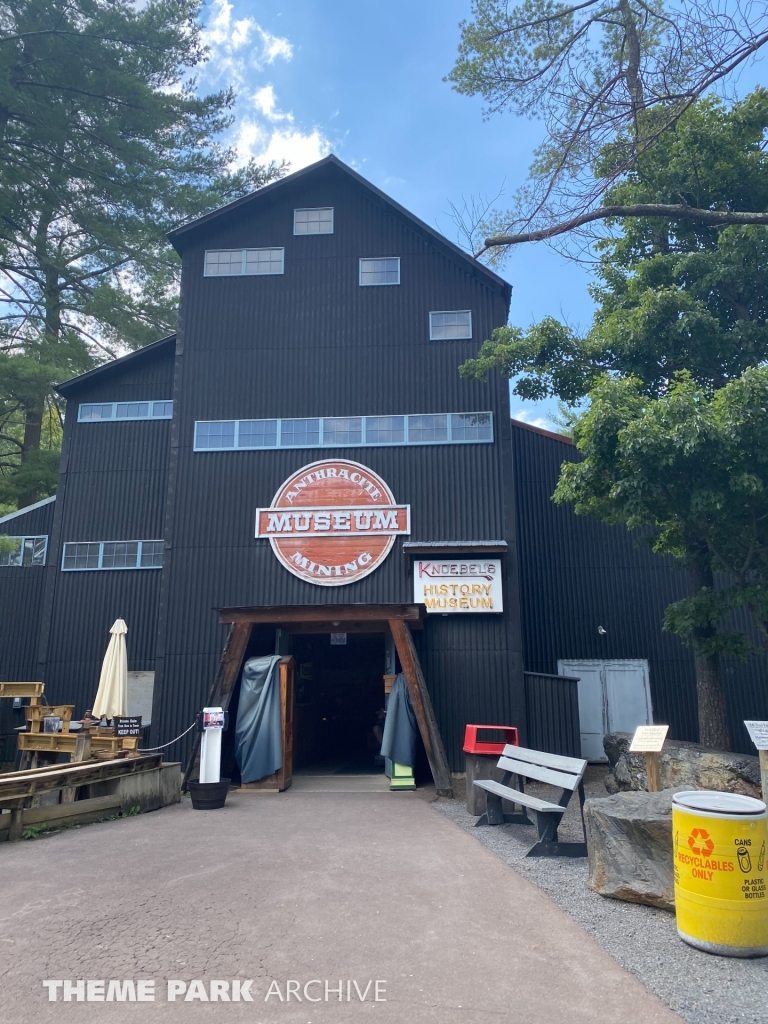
(400, 619)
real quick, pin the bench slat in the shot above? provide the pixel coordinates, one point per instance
(534, 771)
(519, 798)
(572, 765)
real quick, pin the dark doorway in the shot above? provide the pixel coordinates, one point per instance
(339, 697)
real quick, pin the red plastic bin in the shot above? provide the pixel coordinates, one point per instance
(472, 745)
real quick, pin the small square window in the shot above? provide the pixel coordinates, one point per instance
(224, 263)
(81, 556)
(132, 411)
(95, 412)
(380, 271)
(215, 434)
(33, 552)
(257, 434)
(264, 261)
(343, 430)
(313, 222)
(471, 426)
(427, 429)
(162, 410)
(385, 429)
(120, 554)
(299, 433)
(450, 326)
(151, 554)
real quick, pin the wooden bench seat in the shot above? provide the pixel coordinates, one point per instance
(564, 773)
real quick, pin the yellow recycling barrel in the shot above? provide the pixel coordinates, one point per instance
(721, 876)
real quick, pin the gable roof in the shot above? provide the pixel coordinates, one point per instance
(186, 233)
(565, 438)
(114, 365)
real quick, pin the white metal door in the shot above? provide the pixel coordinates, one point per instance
(614, 696)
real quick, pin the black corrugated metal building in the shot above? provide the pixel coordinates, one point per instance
(321, 321)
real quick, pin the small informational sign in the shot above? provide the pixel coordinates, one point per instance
(213, 718)
(127, 725)
(758, 733)
(458, 585)
(51, 723)
(338, 639)
(648, 739)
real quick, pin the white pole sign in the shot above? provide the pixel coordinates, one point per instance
(648, 739)
(758, 732)
(458, 585)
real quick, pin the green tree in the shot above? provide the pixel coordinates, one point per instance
(692, 469)
(104, 146)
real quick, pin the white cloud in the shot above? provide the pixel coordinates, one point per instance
(274, 46)
(266, 144)
(527, 416)
(236, 44)
(264, 100)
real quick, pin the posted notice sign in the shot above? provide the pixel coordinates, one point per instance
(758, 732)
(458, 585)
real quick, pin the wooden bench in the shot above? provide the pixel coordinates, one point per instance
(566, 773)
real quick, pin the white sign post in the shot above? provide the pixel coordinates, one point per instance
(649, 740)
(758, 732)
(210, 745)
(458, 585)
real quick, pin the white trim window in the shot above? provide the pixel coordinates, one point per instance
(378, 271)
(244, 262)
(27, 551)
(450, 325)
(111, 412)
(316, 221)
(112, 554)
(344, 431)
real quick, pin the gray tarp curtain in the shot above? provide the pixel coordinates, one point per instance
(399, 740)
(259, 731)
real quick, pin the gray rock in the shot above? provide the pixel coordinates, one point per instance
(629, 842)
(683, 765)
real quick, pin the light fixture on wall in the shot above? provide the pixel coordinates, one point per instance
(601, 631)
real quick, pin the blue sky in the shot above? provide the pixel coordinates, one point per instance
(365, 81)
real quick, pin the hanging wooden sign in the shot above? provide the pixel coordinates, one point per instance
(333, 522)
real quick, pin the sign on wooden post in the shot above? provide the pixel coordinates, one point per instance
(758, 733)
(649, 740)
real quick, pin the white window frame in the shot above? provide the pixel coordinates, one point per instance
(244, 262)
(109, 568)
(22, 540)
(377, 284)
(235, 446)
(442, 312)
(313, 209)
(114, 418)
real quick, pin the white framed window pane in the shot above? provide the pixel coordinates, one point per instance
(257, 434)
(343, 430)
(132, 411)
(120, 554)
(264, 261)
(81, 556)
(317, 221)
(471, 426)
(450, 325)
(380, 271)
(427, 429)
(223, 262)
(39, 550)
(151, 554)
(162, 410)
(385, 429)
(299, 433)
(95, 412)
(12, 557)
(215, 434)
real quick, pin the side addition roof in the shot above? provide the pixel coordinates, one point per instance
(115, 365)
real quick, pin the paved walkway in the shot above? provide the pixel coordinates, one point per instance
(299, 887)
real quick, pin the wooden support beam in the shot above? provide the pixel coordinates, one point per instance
(422, 706)
(221, 691)
(82, 752)
(326, 613)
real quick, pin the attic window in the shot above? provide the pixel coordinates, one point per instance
(384, 270)
(318, 221)
(243, 262)
(449, 326)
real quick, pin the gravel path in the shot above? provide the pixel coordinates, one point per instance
(702, 988)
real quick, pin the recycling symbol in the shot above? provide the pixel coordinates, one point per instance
(700, 842)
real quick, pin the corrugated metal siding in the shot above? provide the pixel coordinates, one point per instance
(577, 574)
(552, 710)
(313, 343)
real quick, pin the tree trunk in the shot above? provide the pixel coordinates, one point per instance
(713, 722)
(33, 428)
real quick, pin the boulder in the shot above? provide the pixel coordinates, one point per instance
(629, 843)
(683, 765)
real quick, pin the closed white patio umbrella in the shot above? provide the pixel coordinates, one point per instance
(112, 695)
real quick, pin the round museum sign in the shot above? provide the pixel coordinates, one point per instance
(333, 522)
